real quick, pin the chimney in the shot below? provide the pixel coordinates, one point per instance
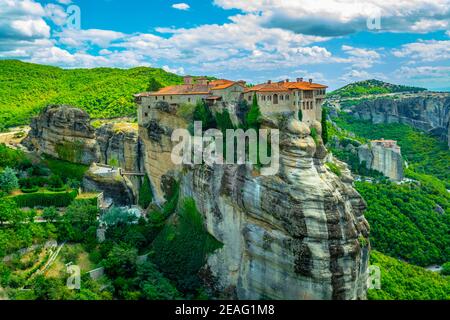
(187, 80)
(310, 80)
(269, 81)
(299, 79)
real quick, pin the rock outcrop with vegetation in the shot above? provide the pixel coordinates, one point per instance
(295, 235)
(427, 111)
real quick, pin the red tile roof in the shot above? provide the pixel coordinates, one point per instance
(284, 86)
(195, 88)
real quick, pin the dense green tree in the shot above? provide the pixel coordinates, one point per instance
(145, 193)
(9, 212)
(324, 126)
(181, 248)
(223, 121)
(446, 269)
(154, 285)
(55, 181)
(50, 214)
(79, 222)
(8, 180)
(203, 113)
(300, 114)
(254, 115)
(154, 85)
(121, 261)
(402, 281)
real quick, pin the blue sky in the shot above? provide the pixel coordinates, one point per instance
(331, 41)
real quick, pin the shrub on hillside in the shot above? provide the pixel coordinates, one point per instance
(8, 180)
(32, 200)
(181, 249)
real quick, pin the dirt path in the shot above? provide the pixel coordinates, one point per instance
(14, 136)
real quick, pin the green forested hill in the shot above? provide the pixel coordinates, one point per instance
(402, 281)
(367, 87)
(26, 88)
(409, 221)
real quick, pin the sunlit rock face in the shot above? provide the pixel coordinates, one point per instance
(427, 111)
(299, 234)
(66, 133)
(294, 235)
(119, 146)
(385, 159)
(157, 146)
(63, 132)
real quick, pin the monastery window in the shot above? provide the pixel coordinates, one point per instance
(275, 99)
(146, 114)
(249, 98)
(189, 99)
(170, 97)
(164, 97)
(270, 98)
(156, 97)
(281, 97)
(287, 97)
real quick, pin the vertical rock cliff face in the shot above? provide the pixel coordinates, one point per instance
(119, 146)
(63, 132)
(389, 161)
(296, 235)
(290, 236)
(157, 145)
(426, 111)
(299, 234)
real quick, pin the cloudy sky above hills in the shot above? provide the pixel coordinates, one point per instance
(331, 41)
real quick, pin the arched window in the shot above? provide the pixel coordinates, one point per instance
(275, 99)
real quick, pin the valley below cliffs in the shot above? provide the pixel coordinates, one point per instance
(299, 234)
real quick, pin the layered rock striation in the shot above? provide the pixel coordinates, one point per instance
(383, 156)
(66, 133)
(63, 132)
(300, 234)
(426, 111)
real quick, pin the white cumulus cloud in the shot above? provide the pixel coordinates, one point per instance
(341, 17)
(429, 50)
(181, 6)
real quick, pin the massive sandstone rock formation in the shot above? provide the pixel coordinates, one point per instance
(385, 159)
(66, 133)
(300, 234)
(426, 111)
(63, 132)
